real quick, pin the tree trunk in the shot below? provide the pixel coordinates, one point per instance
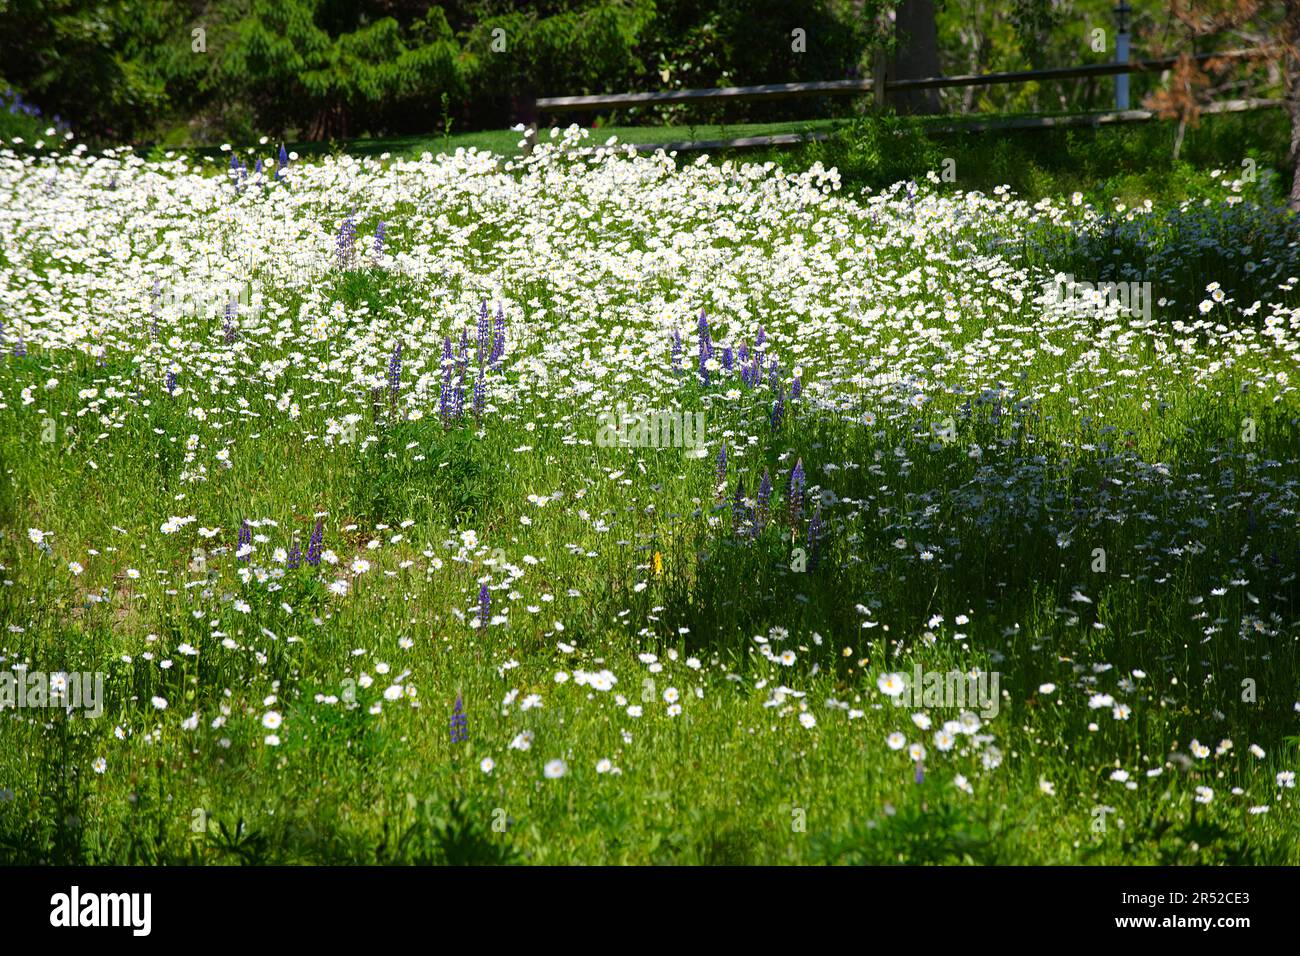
(1291, 74)
(918, 54)
(1293, 108)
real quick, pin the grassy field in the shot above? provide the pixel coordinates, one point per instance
(1130, 163)
(370, 576)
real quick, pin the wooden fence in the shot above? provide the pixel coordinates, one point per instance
(531, 110)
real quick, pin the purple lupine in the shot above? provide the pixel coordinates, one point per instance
(721, 472)
(395, 373)
(444, 395)
(706, 347)
(484, 333)
(778, 409)
(346, 244)
(484, 605)
(728, 361)
(170, 381)
(20, 347)
(498, 337)
(458, 395)
(295, 555)
(444, 398)
(480, 393)
(232, 310)
(742, 353)
(314, 543)
(796, 389)
(773, 377)
(379, 239)
(794, 491)
(258, 169)
(738, 506)
(677, 352)
(283, 163)
(762, 499)
(706, 337)
(245, 540)
(459, 723)
(919, 776)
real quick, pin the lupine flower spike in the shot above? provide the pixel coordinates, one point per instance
(720, 479)
(459, 723)
(794, 493)
(762, 499)
(314, 543)
(245, 549)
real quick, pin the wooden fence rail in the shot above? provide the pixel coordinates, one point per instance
(781, 91)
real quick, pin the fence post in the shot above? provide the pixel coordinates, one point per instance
(526, 113)
(879, 76)
(1122, 10)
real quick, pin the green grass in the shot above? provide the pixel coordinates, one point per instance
(1130, 163)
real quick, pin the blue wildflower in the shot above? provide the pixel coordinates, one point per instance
(480, 393)
(395, 373)
(346, 243)
(794, 491)
(315, 542)
(498, 337)
(232, 309)
(706, 347)
(484, 332)
(459, 723)
(762, 499)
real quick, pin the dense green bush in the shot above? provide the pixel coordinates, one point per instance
(190, 71)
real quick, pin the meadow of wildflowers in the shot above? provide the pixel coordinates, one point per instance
(611, 508)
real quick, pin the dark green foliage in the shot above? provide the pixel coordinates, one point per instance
(1127, 163)
(323, 69)
(927, 830)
